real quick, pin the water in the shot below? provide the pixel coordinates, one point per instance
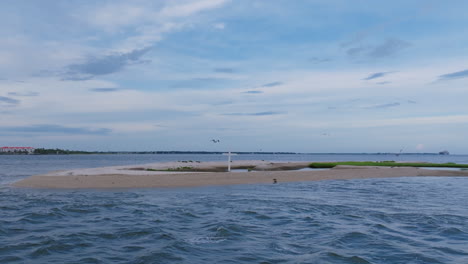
(397, 220)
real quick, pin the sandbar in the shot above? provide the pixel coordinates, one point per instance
(173, 175)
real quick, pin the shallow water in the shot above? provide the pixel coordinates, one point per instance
(444, 168)
(397, 220)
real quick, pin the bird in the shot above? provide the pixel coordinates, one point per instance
(401, 150)
(215, 140)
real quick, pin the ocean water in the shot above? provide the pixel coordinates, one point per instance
(397, 220)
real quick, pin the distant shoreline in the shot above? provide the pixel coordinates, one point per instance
(74, 152)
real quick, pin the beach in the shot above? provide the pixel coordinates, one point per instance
(193, 174)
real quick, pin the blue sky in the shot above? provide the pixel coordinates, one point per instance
(301, 76)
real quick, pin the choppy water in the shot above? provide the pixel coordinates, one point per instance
(398, 220)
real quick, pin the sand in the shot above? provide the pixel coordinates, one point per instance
(266, 172)
(195, 166)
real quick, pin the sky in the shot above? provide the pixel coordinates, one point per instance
(309, 76)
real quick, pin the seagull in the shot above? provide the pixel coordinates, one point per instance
(215, 140)
(401, 150)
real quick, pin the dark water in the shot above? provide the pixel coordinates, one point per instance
(398, 220)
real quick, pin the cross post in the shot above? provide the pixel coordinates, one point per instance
(229, 154)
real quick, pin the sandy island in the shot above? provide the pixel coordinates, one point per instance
(191, 174)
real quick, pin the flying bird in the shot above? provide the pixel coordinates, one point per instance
(401, 150)
(215, 140)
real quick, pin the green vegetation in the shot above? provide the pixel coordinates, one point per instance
(43, 151)
(385, 163)
(15, 153)
(174, 169)
(180, 168)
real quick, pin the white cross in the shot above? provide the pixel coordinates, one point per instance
(229, 154)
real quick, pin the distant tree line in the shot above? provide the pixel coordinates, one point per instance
(57, 151)
(18, 152)
(44, 151)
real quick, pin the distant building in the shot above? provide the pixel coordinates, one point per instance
(28, 150)
(444, 153)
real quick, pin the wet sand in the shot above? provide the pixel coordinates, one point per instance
(266, 172)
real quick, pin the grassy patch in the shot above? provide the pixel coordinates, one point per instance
(385, 163)
(185, 168)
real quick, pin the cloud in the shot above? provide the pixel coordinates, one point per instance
(199, 82)
(253, 92)
(376, 75)
(453, 75)
(272, 84)
(268, 113)
(135, 24)
(224, 70)
(25, 94)
(104, 90)
(207, 79)
(227, 102)
(104, 65)
(388, 48)
(219, 25)
(374, 29)
(383, 106)
(113, 16)
(116, 15)
(190, 8)
(57, 129)
(9, 100)
(382, 83)
(356, 51)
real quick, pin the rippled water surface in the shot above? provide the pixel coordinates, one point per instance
(397, 220)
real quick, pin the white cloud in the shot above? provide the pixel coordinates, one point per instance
(126, 26)
(113, 16)
(219, 25)
(190, 8)
(128, 127)
(388, 122)
(144, 23)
